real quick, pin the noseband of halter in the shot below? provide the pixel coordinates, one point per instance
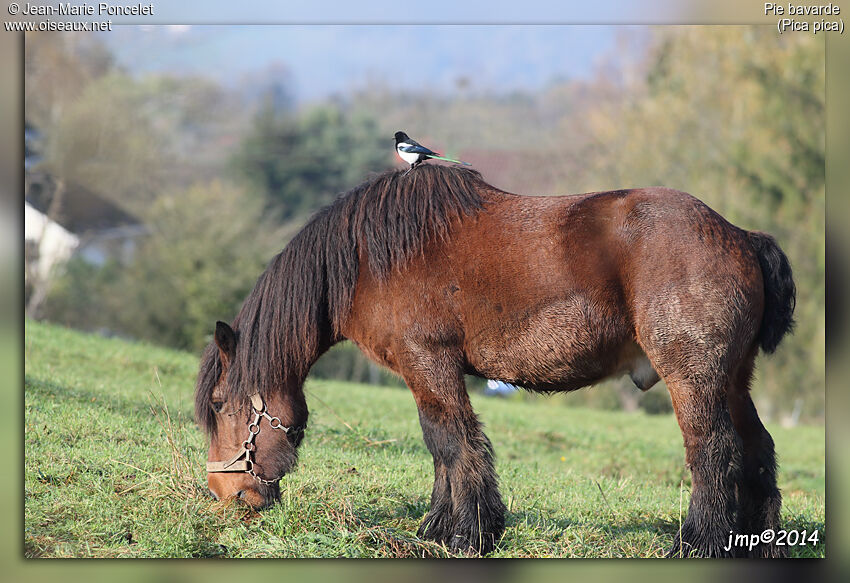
(242, 462)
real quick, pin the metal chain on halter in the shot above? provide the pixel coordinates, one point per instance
(254, 431)
(248, 445)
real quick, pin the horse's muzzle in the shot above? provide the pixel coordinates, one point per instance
(242, 487)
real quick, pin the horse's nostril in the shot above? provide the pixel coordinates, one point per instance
(240, 494)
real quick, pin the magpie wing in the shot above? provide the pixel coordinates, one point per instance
(412, 147)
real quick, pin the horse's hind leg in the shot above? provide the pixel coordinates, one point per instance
(759, 500)
(466, 512)
(713, 453)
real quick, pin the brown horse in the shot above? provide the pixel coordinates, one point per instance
(437, 273)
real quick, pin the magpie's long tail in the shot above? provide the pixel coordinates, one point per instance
(450, 160)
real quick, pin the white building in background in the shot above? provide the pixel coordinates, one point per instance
(82, 224)
(47, 243)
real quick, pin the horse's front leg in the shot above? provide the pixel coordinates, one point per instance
(466, 512)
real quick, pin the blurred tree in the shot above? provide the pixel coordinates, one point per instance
(300, 163)
(126, 139)
(207, 246)
(81, 296)
(57, 68)
(196, 123)
(105, 142)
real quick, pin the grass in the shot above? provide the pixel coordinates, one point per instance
(114, 468)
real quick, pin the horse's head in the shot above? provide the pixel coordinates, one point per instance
(253, 437)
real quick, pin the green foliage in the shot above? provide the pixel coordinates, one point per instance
(197, 123)
(79, 297)
(114, 468)
(656, 401)
(105, 141)
(300, 163)
(204, 251)
(57, 69)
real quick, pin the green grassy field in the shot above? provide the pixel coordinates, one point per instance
(114, 468)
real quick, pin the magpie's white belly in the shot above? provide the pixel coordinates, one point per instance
(409, 157)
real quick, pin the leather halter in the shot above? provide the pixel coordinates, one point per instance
(242, 462)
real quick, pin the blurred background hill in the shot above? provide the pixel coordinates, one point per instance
(166, 165)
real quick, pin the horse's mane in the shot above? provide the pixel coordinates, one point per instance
(302, 299)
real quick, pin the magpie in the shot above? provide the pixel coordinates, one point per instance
(415, 153)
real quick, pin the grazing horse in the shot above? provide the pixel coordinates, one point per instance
(438, 274)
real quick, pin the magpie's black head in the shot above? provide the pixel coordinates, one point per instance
(400, 137)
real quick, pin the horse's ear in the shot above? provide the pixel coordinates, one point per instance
(225, 339)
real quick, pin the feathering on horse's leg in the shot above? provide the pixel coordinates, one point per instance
(713, 454)
(759, 499)
(466, 512)
(437, 524)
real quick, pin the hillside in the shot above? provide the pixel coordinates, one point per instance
(114, 468)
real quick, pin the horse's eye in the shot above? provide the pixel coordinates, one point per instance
(217, 405)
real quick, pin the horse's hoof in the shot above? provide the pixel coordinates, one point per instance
(477, 547)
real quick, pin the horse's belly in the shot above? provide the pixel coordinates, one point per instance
(563, 346)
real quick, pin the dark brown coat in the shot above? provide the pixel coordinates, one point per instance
(436, 274)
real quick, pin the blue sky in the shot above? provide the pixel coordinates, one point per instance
(323, 59)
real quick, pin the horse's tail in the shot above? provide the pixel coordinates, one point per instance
(779, 290)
